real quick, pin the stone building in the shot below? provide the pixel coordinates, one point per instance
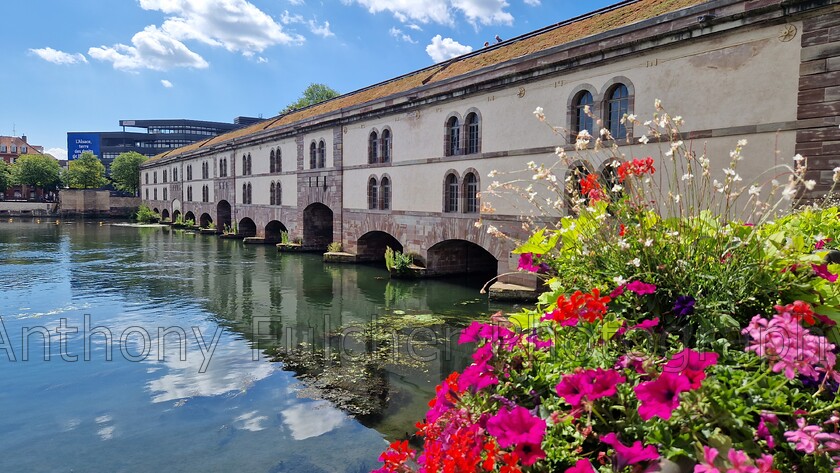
(399, 163)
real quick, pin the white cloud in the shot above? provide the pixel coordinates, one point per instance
(533, 3)
(166, 83)
(287, 18)
(261, 60)
(57, 153)
(297, 2)
(486, 12)
(151, 49)
(414, 27)
(320, 30)
(399, 34)
(442, 49)
(236, 25)
(58, 57)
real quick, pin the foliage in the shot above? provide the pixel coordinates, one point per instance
(125, 171)
(86, 172)
(37, 170)
(231, 229)
(672, 332)
(284, 238)
(315, 93)
(189, 223)
(334, 247)
(5, 176)
(397, 261)
(179, 220)
(147, 215)
(211, 226)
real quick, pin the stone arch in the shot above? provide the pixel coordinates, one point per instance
(205, 220)
(247, 228)
(471, 147)
(370, 247)
(223, 214)
(189, 216)
(446, 198)
(608, 89)
(386, 144)
(457, 256)
(175, 214)
(164, 214)
(452, 144)
(574, 173)
(571, 110)
(317, 226)
(155, 210)
(273, 231)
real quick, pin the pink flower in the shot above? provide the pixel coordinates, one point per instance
(641, 288)
(661, 396)
(519, 428)
(691, 364)
(582, 466)
(632, 455)
(589, 384)
(805, 437)
(618, 291)
(822, 271)
(821, 243)
(648, 325)
(740, 462)
(480, 374)
(526, 263)
(765, 464)
(708, 463)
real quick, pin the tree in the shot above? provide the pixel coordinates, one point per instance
(5, 176)
(125, 171)
(37, 170)
(315, 93)
(86, 172)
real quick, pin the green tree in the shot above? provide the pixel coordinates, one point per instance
(5, 176)
(86, 172)
(125, 171)
(38, 170)
(315, 93)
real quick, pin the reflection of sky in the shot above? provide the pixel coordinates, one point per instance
(241, 414)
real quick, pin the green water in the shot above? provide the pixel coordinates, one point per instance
(173, 363)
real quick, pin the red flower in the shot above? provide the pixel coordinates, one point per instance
(799, 310)
(589, 307)
(591, 188)
(637, 167)
(397, 454)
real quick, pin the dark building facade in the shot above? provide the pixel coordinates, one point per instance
(150, 137)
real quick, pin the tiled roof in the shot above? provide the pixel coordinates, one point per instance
(610, 18)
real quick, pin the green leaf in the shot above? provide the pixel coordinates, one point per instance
(609, 329)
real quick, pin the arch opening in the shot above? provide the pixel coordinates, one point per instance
(189, 217)
(175, 215)
(370, 247)
(273, 231)
(247, 228)
(317, 227)
(156, 210)
(205, 220)
(451, 257)
(164, 215)
(223, 213)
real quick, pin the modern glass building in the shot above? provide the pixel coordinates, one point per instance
(148, 137)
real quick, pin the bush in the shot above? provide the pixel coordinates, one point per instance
(397, 261)
(334, 247)
(672, 333)
(146, 215)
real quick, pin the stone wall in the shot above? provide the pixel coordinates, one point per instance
(95, 203)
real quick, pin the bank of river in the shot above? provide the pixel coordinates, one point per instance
(115, 389)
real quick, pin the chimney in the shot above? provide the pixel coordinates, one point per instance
(23, 137)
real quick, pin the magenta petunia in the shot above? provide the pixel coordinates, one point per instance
(589, 384)
(633, 455)
(641, 288)
(822, 271)
(708, 463)
(691, 364)
(520, 429)
(740, 462)
(582, 466)
(661, 396)
(526, 263)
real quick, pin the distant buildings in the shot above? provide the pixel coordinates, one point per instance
(157, 136)
(11, 147)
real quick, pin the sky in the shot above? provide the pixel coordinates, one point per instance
(83, 65)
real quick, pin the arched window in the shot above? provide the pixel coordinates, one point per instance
(164, 176)
(385, 193)
(244, 193)
(250, 201)
(278, 195)
(189, 194)
(618, 104)
(174, 174)
(271, 165)
(313, 156)
(578, 172)
(470, 193)
(147, 194)
(453, 136)
(155, 193)
(165, 194)
(609, 176)
(147, 178)
(278, 165)
(272, 191)
(386, 146)
(372, 193)
(450, 198)
(373, 148)
(244, 165)
(322, 154)
(205, 194)
(249, 164)
(473, 135)
(582, 121)
(154, 177)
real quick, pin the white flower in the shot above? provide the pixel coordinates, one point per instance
(687, 176)
(810, 184)
(837, 174)
(789, 192)
(559, 151)
(532, 165)
(729, 172)
(755, 190)
(798, 158)
(586, 109)
(644, 140)
(617, 188)
(618, 280)
(647, 123)
(492, 230)
(649, 242)
(622, 243)
(634, 262)
(742, 143)
(658, 104)
(493, 173)
(538, 112)
(604, 132)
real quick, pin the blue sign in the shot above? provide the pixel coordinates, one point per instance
(78, 143)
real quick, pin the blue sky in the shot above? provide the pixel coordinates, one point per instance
(83, 65)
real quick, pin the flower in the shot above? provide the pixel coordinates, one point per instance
(526, 263)
(397, 454)
(708, 463)
(589, 307)
(636, 167)
(591, 188)
(740, 462)
(822, 271)
(518, 427)
(641, 288)
(582, 466)
(661, 396)
(691, 364)
(684, 306)
(588, 384)
(538, 112)
(626, 456)
(805, 437)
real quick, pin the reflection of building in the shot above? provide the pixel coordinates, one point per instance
(11, 147)
(150, 137)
